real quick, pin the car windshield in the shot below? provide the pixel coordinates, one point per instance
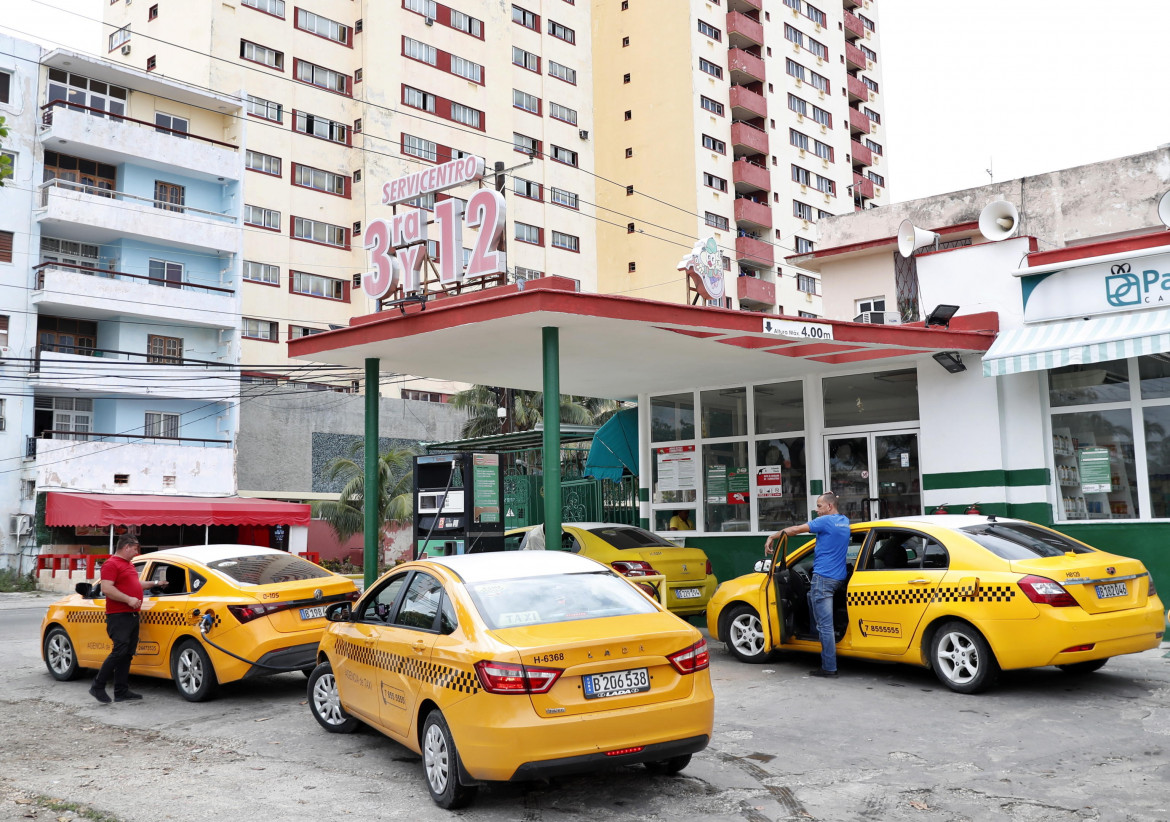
(264, 569)
(631, 538)
(509, 603)
(1014, 540)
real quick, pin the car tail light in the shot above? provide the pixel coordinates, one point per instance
(247, 613)
(510, 678)
(1046, 592)
(708, 570)
(692, 659)
(1153, 591)
(634, 568)
(624, 751)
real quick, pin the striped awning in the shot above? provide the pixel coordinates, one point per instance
(1075, 342)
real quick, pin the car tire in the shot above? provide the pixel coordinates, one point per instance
(60, 655)
(441, 764)
(308, 671)
(1084, 667)
(743, 634)
(669, 767)
(325, 702)
(962, 659)
(192, 672)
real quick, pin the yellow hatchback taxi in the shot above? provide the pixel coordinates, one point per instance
(633, 552)
(965, 596)
(263, 611)
(515, 666)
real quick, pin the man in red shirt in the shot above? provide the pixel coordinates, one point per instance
(123, 592)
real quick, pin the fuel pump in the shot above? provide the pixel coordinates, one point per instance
(457, 505)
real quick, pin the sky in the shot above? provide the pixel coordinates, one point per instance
(1020, 87)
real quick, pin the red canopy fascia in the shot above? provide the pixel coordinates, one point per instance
(63, 509)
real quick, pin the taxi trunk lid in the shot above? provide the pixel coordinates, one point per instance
(648, 639)
(1099, 582)
(676, 564)
(294, 606)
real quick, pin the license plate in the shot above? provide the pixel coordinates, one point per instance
(687, 593)
(617, 683)
(313, 613)
(1111, 589)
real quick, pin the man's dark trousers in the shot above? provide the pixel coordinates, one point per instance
(123, 632)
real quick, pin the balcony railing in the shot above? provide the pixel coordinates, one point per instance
(47, 120)
(862, 186)
(858, 121)
(112, 354)
(110, 274)
(858, 90)
(854, 56)
(112, 194)
(748, 175)
(747, 104)
(745, 67)
(853, 26)
(748, 210)
(94, 436)
(754, 253)
(862, 156)
(741, 29)
(746, 136)
(755, 291)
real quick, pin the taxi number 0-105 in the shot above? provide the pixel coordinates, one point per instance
(617, 683)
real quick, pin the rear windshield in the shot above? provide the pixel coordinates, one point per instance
(559, 598)
(267, 568)
(627, 538)
(1017, 541)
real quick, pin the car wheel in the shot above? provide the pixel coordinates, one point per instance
(744, 634)
(308, 672)
(60, 658)
(193, 673)
(325, 702)
(669, 767)
(441, 764)
(962, 659)
(1084, 667)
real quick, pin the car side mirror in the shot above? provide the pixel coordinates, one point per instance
(763, 566)
(84, 589)
(339, 612)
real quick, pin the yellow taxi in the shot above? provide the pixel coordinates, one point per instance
(965, 596)
(515, 666)
(211, 614)
(633, 552)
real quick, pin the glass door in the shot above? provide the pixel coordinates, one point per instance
(875, 475)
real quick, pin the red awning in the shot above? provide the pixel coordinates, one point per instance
(141, 509)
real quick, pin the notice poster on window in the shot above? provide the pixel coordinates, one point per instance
(716, 483)
(1093, 464)
(676, 468)
(769, 481)
(738, 487)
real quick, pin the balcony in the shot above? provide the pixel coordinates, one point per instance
(748, 138)
(747, 104)
(862, 156)
(858, 122)
(754, 292)
(749, 176)
(130, 374)
(750, 211)
(853, 26)
(94, 293)
(745, 5)
(743, 30)
(198, 466)
(745, 67)
(858, 90)
(754, 253)
(97, 135)
(98, 216)
(854, 56)
(862, 186)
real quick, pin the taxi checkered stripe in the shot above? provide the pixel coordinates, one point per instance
(441, 676)
(945, 593)
(144, 617)
(85, 616)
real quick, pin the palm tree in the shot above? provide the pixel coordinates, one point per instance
(482, 404)
(395, 479)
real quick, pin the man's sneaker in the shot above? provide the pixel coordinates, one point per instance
(821, 672)
(99, 694)
(130, 696)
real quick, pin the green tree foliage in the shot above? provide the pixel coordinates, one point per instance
(395, 500)
(5, 161)
(482, 404)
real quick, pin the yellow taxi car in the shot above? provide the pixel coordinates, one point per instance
(515, 666)
(965, 596)
(263, 612)
(633, 552)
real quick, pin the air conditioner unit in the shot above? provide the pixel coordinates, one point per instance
(126, 49)
(430, 21)
(19, 524)
(583, 134)
(878, 318)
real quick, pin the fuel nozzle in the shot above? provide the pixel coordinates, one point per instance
(206, 621)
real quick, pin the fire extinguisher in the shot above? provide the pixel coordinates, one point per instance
(973, 509)
(942, 509)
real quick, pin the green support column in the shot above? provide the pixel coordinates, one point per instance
(552, 437)
(370, 514)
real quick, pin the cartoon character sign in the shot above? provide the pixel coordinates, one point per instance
(704, 265)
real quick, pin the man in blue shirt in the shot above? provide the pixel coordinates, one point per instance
(831, 529)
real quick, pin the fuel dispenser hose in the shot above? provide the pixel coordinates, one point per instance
(205, 623)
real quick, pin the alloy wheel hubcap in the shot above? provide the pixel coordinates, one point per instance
(747, 634)
(958, 657)
(435, 755)
(60, 654)
(326, 701)
(190, 671)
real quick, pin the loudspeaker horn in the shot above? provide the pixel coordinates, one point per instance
(911, 237)
(999, 220)
(1164, 209)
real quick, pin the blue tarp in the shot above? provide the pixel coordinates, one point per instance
(615, 447)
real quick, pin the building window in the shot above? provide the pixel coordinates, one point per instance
(563, 113)
(164, 349)
(814, 14)
(825, 185)
(712, 69)
(564, 155)
(418, 99)
(717, 183)
(165, 273)
(711, 143)
(527, 189)
(873, 115)
(711, 105)
(798, 105)
(793, 35)
(870, 84)
(802, 210)
(315, 178)
(262, 217)
(565, 198)
(817, 48)
(152, 13)
(566, 241)
(823, 150)
(707, 30)
(418, 147)
(265, 109)
(877, 178)
(420, 51)
(467, 115)
(259, 330)
(5, 87)
(528, 273)
(274, 7)
(528, 234)
(865, 21)
(806, 284)
(560, 72)
(169, 196)
(170, 124)
(321, 127)
(81, 91)
(804, 246)
(314, 285)
(119, 37)
(876, 148)
(626, 79)
(806, 315)
(801, 175)
(823, 117)
(525, 18)
(319, 232)
(151, 63)
(161, 424)
(629, 153)
(467, 69)
(631, 267)
(466, 23)
(869, 53)
(323, 27)
(819, 82)
(625, 42)
(715, 221)
(255, 53)
(261, 273)
(295, 332)
(422, 396)
(321, 77)
(798, 139)
(6, 238)
(264, 163)
(562, 32)
(526, 145)
(424, 201)
(524, 100)
(525, 59)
